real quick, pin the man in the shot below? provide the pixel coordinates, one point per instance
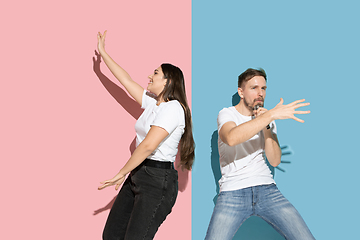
(247, 131)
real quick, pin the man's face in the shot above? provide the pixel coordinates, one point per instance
(253, 92)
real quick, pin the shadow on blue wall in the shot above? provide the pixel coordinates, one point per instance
(254, 227)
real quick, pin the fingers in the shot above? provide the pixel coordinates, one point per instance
(101, 42)
(119, 182)
(115, 180)
(106, 183)
(298, 119)
(297, 101)
(281, 102)
(301, 105)
(102, 187)
(260, 111)
(301, 112)
(102, 36)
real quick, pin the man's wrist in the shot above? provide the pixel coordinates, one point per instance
(271, 116)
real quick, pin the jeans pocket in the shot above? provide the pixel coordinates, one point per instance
(155, 172)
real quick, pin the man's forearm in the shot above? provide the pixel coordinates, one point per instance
(245, 131)
(272, 148)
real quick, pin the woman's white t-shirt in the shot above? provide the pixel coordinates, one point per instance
(169, 116)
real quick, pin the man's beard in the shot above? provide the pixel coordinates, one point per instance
(251, 106)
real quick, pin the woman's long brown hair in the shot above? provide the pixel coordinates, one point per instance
(175, 90)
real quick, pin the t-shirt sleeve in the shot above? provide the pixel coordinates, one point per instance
(273, 127)
(224, 116)
(169, 117)
(147, 100)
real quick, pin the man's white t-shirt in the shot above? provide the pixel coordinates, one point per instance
(169, 116)
(242, 165)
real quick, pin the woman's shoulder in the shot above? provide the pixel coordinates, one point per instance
(173, 104)
(170, 114)
(148, 100)
(172, 107)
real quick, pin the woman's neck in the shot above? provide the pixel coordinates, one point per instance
(159, 101)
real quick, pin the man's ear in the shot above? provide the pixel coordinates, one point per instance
(240, 92)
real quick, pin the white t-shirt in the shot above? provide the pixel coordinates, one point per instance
(242, 165)
(169, 116)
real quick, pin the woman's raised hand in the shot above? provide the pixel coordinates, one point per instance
(101, 42)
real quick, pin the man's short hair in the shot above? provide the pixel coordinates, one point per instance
(249, 74)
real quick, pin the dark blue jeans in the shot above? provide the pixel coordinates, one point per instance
(145, 199)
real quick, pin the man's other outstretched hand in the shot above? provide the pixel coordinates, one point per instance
(281, 111)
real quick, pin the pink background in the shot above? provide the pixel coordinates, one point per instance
(66, 127)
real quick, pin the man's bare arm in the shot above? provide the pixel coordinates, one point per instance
(233, 135)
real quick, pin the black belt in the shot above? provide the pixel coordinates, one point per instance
(158, 164)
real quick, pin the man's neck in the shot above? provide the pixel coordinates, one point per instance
(243, 110)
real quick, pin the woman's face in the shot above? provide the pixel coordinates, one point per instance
(157, 81)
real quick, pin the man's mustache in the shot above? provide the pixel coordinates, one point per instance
(259, 99)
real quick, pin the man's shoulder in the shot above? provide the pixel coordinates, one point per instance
(226, 115)
(227, 111)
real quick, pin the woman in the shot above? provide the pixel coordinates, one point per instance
(149, 192)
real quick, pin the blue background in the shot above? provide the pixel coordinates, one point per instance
(309, 49)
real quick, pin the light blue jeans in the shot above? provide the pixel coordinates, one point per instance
(266, 201)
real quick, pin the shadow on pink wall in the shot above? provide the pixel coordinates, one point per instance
(134, 109)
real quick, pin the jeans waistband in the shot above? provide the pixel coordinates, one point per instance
(158, 164)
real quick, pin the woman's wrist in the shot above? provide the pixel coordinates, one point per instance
(121, 173)
(102, 53)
